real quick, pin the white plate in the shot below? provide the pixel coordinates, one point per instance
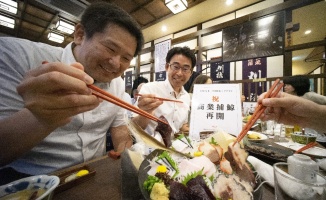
(314, 151)
(262, 136)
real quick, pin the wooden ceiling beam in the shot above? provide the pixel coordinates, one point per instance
(48, 26)
(22, 14)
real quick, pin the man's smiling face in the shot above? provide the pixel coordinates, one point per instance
(106, 55)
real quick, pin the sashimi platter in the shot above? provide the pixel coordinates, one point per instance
(213, 168)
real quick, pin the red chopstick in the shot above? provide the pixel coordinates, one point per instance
(309, 145)
(259, 110)
(162, 99)
(115, 100)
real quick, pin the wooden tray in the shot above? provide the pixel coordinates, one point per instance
(64, 174)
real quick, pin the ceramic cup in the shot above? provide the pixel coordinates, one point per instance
(288, 187)
(303, 167)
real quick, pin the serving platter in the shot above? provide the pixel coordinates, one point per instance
(267, 153)
(63, 185)
(144, 168)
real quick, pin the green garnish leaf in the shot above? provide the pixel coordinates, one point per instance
(191, 176)
(213, 141)
(166, 159)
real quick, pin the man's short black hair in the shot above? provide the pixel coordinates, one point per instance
(101, 14)
(183, 51)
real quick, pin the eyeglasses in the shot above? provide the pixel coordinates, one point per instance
(177, 67)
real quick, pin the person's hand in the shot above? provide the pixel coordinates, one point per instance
(54, 92)
(185, 127)
(148, 103)
(243, 98)
(289, 109)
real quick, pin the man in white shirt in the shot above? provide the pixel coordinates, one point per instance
(52, 121)
(180, 62)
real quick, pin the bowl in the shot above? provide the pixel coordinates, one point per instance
(38, 187)
(303, 139)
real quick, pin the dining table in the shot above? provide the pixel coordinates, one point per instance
(118, 179)
(115, 179)
(104, 184)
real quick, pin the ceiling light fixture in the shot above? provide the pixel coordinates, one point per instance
(9, 6)
(55, 37)
(65, 27)
(6, 21)
(229, 2)
(307, 32)
(176, 6)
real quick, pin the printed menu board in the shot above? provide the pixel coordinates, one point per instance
(213, 107)
(161, 49)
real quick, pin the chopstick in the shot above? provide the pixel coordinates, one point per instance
(259, 110)
(162, 99)
(112, 99)
(309, 145)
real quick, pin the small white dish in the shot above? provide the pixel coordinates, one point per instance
(261, 136)
(32, 183)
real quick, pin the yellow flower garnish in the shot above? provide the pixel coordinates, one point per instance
(82, 172)
(161, 169)
(198, 153)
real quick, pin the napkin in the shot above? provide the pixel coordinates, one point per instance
(263, 169)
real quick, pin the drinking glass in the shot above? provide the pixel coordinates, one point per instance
(289, 130)
(288, 187)
(282, 133)
(269, 128)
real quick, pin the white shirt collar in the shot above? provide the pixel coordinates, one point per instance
(67, 55)
(169, 86)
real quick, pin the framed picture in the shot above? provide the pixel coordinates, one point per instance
(258, 38)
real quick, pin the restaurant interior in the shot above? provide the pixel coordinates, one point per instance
(229, 34)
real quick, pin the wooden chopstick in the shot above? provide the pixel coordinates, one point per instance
(309, 145)
(259, 110)
(162, 99)
(112, 99)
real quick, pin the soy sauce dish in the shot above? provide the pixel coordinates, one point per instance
(38, 187)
